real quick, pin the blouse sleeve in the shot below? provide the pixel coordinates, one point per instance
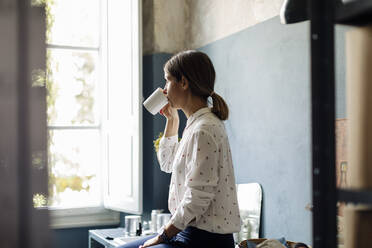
(201, 181)
(167, 151)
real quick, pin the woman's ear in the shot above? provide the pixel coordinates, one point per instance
(185, 83)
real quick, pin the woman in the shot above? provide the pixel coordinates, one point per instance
(202, 194)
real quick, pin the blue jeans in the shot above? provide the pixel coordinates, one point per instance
(138, 242)
(191, 237)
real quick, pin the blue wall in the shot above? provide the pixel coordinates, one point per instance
(73, 237)
(263, 74)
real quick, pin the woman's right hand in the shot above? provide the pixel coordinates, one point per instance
(171, 127)
(169, 112)
(173, 120)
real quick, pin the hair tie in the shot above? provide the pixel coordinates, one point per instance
(212, 93)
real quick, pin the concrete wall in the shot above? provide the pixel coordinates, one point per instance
(212, 20)
(173, 25)
(164, 25)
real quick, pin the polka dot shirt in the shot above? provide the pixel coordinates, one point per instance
(202, 191)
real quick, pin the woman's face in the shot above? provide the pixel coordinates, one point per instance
(174, 91)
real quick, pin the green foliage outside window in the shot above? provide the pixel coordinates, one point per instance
(59, 183)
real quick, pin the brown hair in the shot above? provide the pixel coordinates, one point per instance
(198, 69)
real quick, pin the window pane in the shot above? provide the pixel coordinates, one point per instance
(72, 91)
(74, 158)
(74, 23)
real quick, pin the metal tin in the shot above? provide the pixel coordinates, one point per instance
(162, 220)
(132, 224)
(154, 214)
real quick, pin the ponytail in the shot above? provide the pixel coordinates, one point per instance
(219, 108)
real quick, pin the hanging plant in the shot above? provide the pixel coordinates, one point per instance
(157, 141)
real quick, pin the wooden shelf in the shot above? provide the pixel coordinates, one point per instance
(323, 15)
(354, 12)
(355, 196)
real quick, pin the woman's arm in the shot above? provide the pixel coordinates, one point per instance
(173, 120)
(201, 181)
(169, 143)
(171, 127)
(167, 152)
(169, 231)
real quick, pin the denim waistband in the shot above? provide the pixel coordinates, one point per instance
(195, 237)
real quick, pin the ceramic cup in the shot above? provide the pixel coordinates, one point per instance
(156, 101)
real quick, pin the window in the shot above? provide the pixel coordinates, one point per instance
(94, 110)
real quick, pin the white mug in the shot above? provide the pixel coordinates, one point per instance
(156, 101)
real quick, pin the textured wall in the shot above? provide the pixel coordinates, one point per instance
(211, 20)
(164, 25)
(173, 25)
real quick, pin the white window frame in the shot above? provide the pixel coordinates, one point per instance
(103, 215)
(131, 203)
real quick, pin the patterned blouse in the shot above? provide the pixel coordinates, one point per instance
(202, 191)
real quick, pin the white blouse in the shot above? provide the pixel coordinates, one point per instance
(202, 191)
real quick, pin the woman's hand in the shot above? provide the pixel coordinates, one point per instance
(170, 231)
(154, 241)
(169, 112)
(173, 121)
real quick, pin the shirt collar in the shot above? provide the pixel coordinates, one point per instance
(196, 115)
